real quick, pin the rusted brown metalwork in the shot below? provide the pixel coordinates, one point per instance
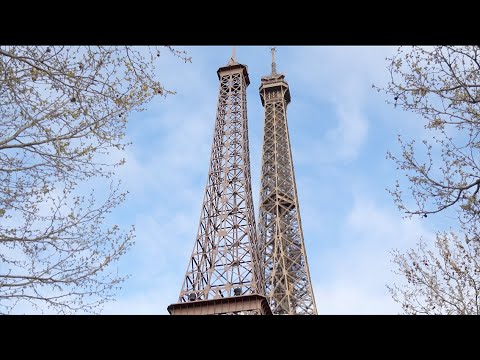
(238, 305)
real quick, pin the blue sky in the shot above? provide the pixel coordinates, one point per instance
(340, 129)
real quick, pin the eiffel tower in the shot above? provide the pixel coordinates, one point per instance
(287, 279)
(225, 274)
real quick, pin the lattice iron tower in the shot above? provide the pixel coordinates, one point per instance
(287, 279)
(224, 274)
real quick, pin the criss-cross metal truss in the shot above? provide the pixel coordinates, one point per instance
(225, 262)
(288, 286)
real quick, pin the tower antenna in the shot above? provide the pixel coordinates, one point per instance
(233, 58)
(274, 65)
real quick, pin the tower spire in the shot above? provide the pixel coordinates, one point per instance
(274, 65)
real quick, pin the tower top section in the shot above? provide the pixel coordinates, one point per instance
(274, 81)
(233, 67)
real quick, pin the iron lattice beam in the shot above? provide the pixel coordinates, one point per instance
(225, 261)
(287, 279)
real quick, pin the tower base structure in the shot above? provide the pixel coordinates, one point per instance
(237, 305)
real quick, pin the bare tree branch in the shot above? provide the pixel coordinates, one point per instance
(63, 112)
(445, 281)
(442, 85)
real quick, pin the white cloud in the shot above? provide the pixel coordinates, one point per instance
(351, 299)
(153, 300)
(341, 77)
(358, 268)
(351, 132)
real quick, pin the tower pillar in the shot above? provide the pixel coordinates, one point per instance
(288, 286)
(224, 273)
